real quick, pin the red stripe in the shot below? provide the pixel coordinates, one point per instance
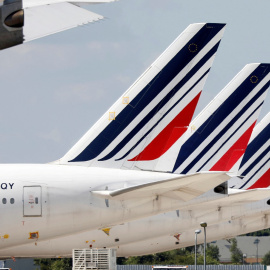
(263, 182)
(234, 153)
(170, 134)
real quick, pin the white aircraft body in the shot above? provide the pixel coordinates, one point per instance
(230, 222)
(97, 183)
(62, 201)
(174, 229)
(67, 195)
(236, 215)
(131, 236)
(159, 233)
(25, 20)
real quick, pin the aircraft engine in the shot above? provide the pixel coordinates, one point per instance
(12, 21)
(25, 21)
(222, 188)
(15, 19)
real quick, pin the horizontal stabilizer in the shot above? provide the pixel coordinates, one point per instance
(44, 20)
(186, 187)
(248, 196)
(239, 197)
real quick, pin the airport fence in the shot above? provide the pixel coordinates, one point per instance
(199, 267)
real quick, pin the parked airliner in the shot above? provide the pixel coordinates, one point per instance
(98, 183)
(176, 229)
(130, 164)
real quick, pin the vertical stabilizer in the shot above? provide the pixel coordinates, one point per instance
(156, 110)
(254, 170)
(218, 137)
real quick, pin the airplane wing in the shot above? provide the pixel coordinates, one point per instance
(185, 187)
(45, 20)
(26, 20)
(34, 3)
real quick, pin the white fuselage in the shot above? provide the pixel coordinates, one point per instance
(155, 234)
(51, 209)
(57, 200)
(43, 202)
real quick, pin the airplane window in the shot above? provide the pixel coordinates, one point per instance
(36, 200)
(12, 200)
(4, 200)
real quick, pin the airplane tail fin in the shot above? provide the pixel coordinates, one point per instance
(218, 137)
(156, 110)
(254, 169)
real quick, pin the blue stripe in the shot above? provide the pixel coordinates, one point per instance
(146, 95)
(254, 174)
(256, 161)
(256, 144)
(219, 115)
(162, 103)
(223, 132)
(227, 127)
(150, 130)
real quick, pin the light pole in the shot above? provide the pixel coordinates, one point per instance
(196, 233)
(256, 242)
(244, 256)
(204, 225)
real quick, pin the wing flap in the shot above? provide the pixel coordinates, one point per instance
(186, 187)
(44, 20)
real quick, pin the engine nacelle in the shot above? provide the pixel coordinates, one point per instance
(222, 188)
(15, 19)
(11, 23)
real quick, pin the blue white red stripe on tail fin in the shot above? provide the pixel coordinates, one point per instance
(219, 136)
(172, 84)
(254, 169)
(169, 135)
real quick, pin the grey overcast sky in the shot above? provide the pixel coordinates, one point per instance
(55, 88)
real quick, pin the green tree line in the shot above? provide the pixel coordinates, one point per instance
(183, 256)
